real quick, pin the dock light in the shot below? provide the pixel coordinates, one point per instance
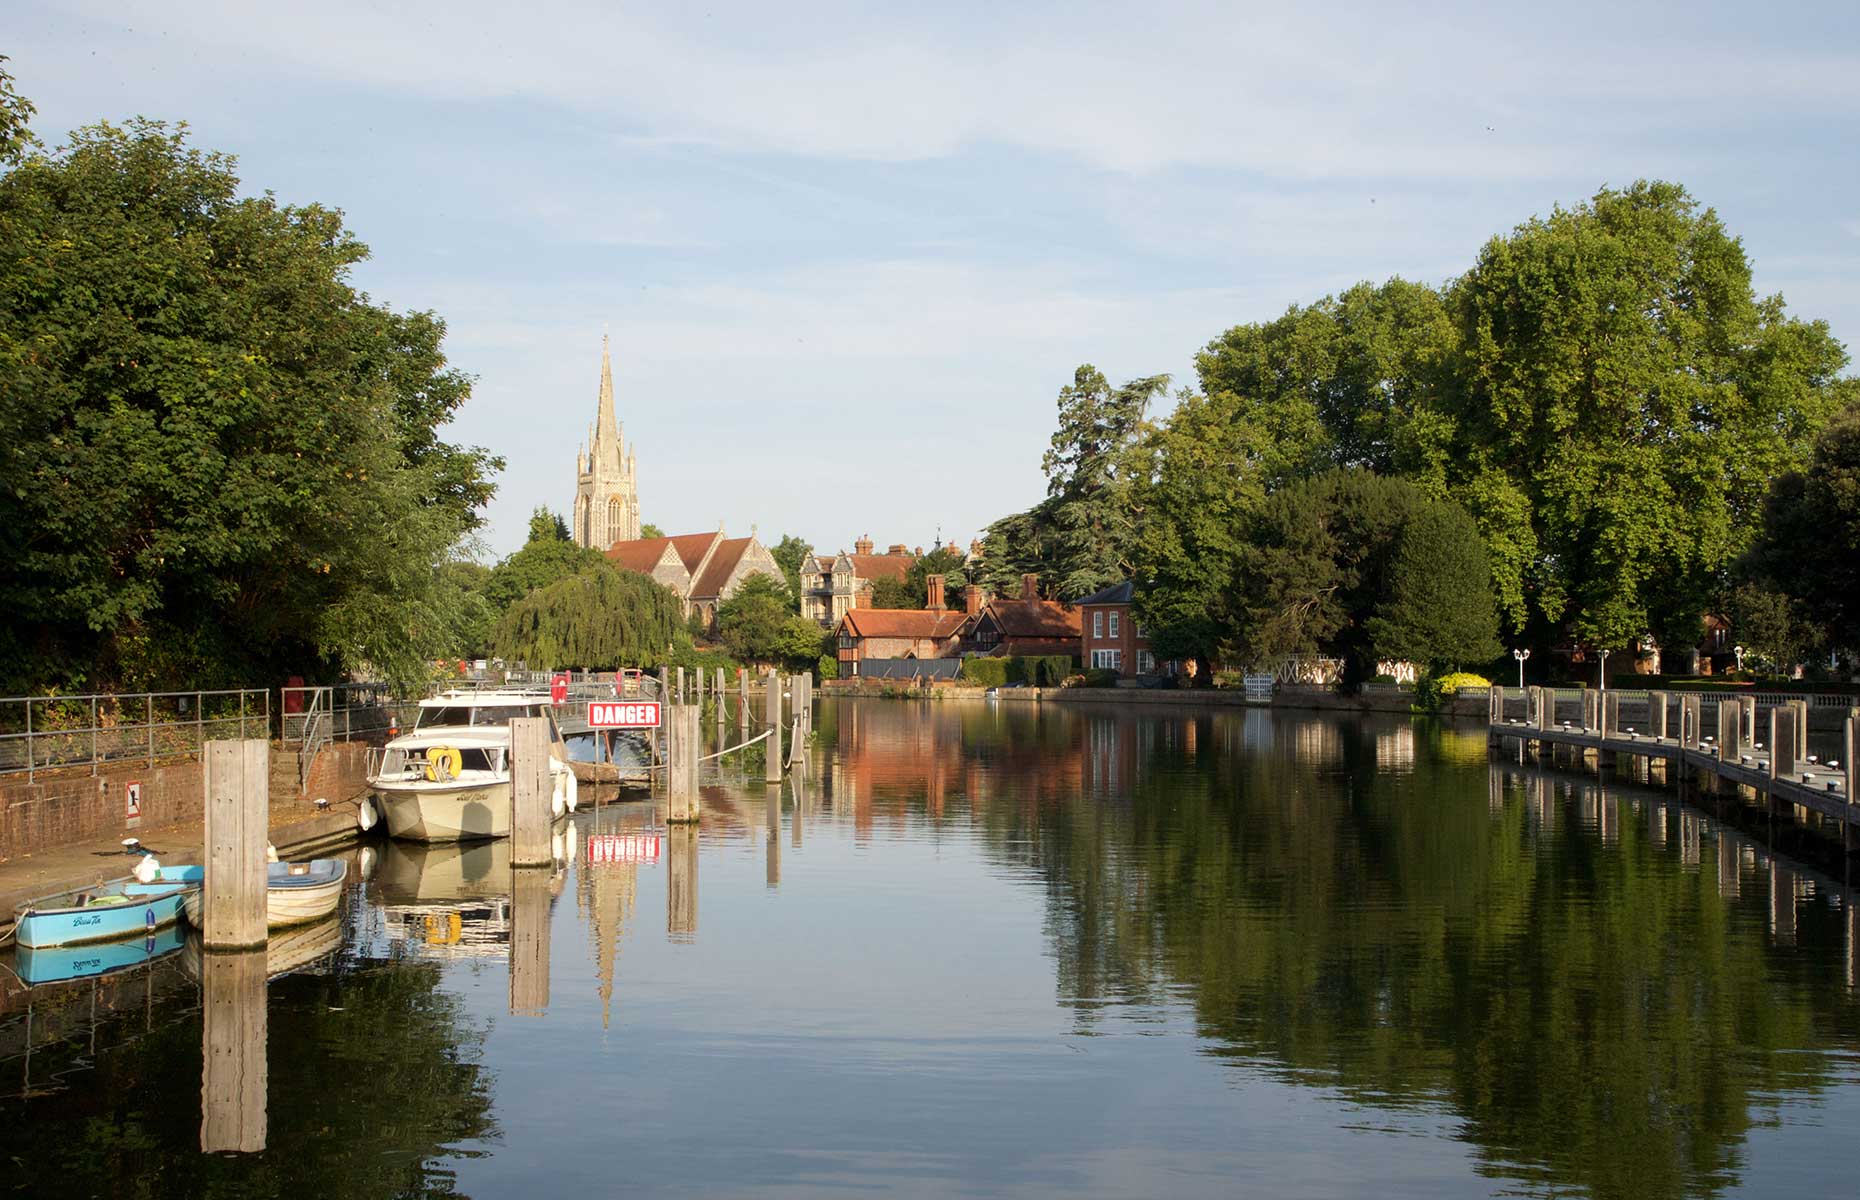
(1520, 655)
(1739, 651)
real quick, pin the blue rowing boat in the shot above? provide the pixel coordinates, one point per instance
(106, 912)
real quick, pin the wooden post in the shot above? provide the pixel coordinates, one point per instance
(529, 939)
(682, 744)
(530, 787)
(1591, 708)
(1611, 715)
(232, 1050)
(742, 704)
(1546, 707)
(679, 698)
(1783, 741)
(681, 885)
(1850, 742)
(1495, 705)
(1691, 720)
(771, 707)
(719, 693)
(1747, 706)
(1730, 729)
(238, 805)
(772, 831)
(1800, 708)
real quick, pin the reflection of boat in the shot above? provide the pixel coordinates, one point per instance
(50, 964)
(287, 950)
(294, 892)
(449, 779)
(452, 900)
(106, 912)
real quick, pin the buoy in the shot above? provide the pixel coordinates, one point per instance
(365, 815)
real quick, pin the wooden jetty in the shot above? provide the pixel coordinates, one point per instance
(1721, 735)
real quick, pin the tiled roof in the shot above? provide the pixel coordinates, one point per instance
(903, 622)
(881, 566)
(642, 555)
(1042, 619)
(730, 551)
(691, 547)
(1117, 593)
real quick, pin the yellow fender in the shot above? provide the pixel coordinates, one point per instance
(443, 763)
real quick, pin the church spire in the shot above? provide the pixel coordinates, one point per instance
(606, 431)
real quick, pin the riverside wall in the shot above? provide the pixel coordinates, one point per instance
(1293, 697)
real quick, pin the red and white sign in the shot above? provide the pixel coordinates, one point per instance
(558, 689)
(623, 848)
(132, 800)
(623, 714)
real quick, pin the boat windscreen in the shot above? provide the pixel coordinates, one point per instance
(479, 715)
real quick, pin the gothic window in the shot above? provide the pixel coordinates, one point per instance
(614, 523)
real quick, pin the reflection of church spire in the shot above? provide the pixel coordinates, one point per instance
(609, 908)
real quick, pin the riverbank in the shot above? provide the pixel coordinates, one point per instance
(1286, 697)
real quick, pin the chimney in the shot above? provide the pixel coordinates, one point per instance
(1030, 590)
(895, 548)
(935, 583)
(972, 598)
(863, 545)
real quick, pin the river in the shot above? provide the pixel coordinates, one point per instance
(1015, 950)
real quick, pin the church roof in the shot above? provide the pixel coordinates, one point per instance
(692, 547)
(730, 552)
(642, 555)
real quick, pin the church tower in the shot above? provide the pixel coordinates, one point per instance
(606, 494)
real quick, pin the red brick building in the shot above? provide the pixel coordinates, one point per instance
(1022, 625)
(1110, 637)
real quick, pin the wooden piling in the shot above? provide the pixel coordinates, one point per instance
(1800, 709)
(1611, 715)
(681, 764)
(742, 704)
(678, 697)
(529, 940)
(1783, 741)
(1691, 720)
(771, 706)
(1730, 729)
(718, 692)
(233, 1067)
(1656, 714)
(681, 884)
(237, 780)
(1591, 708)
(530, 792)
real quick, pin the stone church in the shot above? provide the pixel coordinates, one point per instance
(606, 490)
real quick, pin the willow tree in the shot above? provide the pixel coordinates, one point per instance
(599, 619)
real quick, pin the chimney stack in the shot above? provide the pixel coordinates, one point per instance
(863, 545)
(896, 548)
(935, 583)
(972, 598)
(1030, 589)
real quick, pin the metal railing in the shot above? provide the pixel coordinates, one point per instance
(42, 733)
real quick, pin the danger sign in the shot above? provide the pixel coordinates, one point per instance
(623, 848)
(623, 714)
(132, 801)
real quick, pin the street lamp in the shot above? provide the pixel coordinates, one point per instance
(1739, 651)
(1520, 655)
(1604, 683)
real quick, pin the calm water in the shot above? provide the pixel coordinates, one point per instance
(1003, 951)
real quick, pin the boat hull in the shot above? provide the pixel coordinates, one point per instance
(290, 900)
(445, 814)
(143, 913)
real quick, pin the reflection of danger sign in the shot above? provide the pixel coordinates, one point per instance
(623, 714)
(132, 800)
(623, 848)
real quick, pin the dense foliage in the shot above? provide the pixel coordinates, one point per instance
(219, 462)
(757, 625)
(599, 619)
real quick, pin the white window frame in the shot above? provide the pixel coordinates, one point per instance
(1097, 624)
(1146, 663)
(1114, 625)
(1112, 660)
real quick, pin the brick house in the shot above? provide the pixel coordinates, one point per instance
(703, 569)
(1022, 625)
(1109, 636)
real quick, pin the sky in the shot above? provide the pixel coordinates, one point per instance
(849, 253)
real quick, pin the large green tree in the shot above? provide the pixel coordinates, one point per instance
(219, 462)
(756, 625)
(789, 554)
(548, 555)
(1438, 609)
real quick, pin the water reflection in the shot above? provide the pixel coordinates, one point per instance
(232, 1051)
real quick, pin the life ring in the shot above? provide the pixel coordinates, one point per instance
(443, 763)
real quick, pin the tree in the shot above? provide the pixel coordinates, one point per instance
(894, 593)
(1439, 611)
(1800, 582)
(599, 619)
(1088, 474)
(15, 120)
(752, 622)
(650, 530)
(1625, 395)
(789, 554)
(222, 463)
(547, 556)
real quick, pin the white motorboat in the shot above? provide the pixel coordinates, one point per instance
(449, 779)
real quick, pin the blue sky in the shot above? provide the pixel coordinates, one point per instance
(849, 253)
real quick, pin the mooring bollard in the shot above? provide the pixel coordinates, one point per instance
(237, 777)
(771, 707)
(681, 775)
(233, 1063)
(530, 788)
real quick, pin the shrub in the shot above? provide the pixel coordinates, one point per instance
(1432, 691)
(986, 672)
(1101, 677)
(828, 666)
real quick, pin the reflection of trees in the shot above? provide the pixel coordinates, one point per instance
(1596, 1015)
(373, 1077)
